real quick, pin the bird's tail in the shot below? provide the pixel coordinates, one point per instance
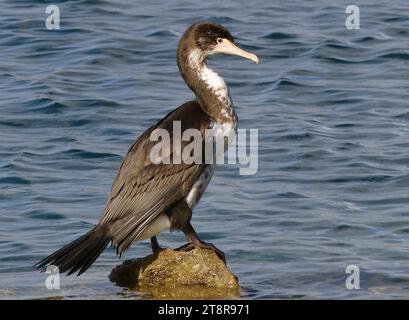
(79, 254)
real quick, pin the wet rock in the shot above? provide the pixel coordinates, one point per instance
(170, 274)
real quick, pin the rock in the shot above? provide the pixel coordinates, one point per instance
(170, 274)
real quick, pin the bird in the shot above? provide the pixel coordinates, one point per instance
(148, 198)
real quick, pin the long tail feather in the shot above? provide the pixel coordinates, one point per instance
(79, 254)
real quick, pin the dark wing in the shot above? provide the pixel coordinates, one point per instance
(142, 190)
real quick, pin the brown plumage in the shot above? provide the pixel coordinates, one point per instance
(147, 197)
(142, 190)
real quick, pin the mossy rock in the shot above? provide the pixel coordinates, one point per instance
(171, 274)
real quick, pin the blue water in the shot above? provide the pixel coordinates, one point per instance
(330, 104)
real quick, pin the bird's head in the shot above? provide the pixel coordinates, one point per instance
(204, 39)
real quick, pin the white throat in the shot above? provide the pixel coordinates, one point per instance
(211, 78)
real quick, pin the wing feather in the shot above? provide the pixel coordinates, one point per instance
(142, 190)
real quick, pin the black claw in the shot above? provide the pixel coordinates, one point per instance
(187, 247)
(219, 253)
(203, 245)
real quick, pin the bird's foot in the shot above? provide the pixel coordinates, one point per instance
(203, 245)
(157, 249)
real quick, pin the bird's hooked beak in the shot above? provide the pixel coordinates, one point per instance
(228, 47)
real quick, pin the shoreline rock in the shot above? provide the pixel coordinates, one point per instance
(171, 274)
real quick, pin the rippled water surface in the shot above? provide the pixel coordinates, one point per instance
(330, 104)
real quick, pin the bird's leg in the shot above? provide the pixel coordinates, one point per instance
(155, 245)
(195, 242)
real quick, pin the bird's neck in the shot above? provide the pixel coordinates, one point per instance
(210, 89)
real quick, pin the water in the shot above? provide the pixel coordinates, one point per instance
(330, 104)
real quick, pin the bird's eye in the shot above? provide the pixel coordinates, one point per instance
(219, 40)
